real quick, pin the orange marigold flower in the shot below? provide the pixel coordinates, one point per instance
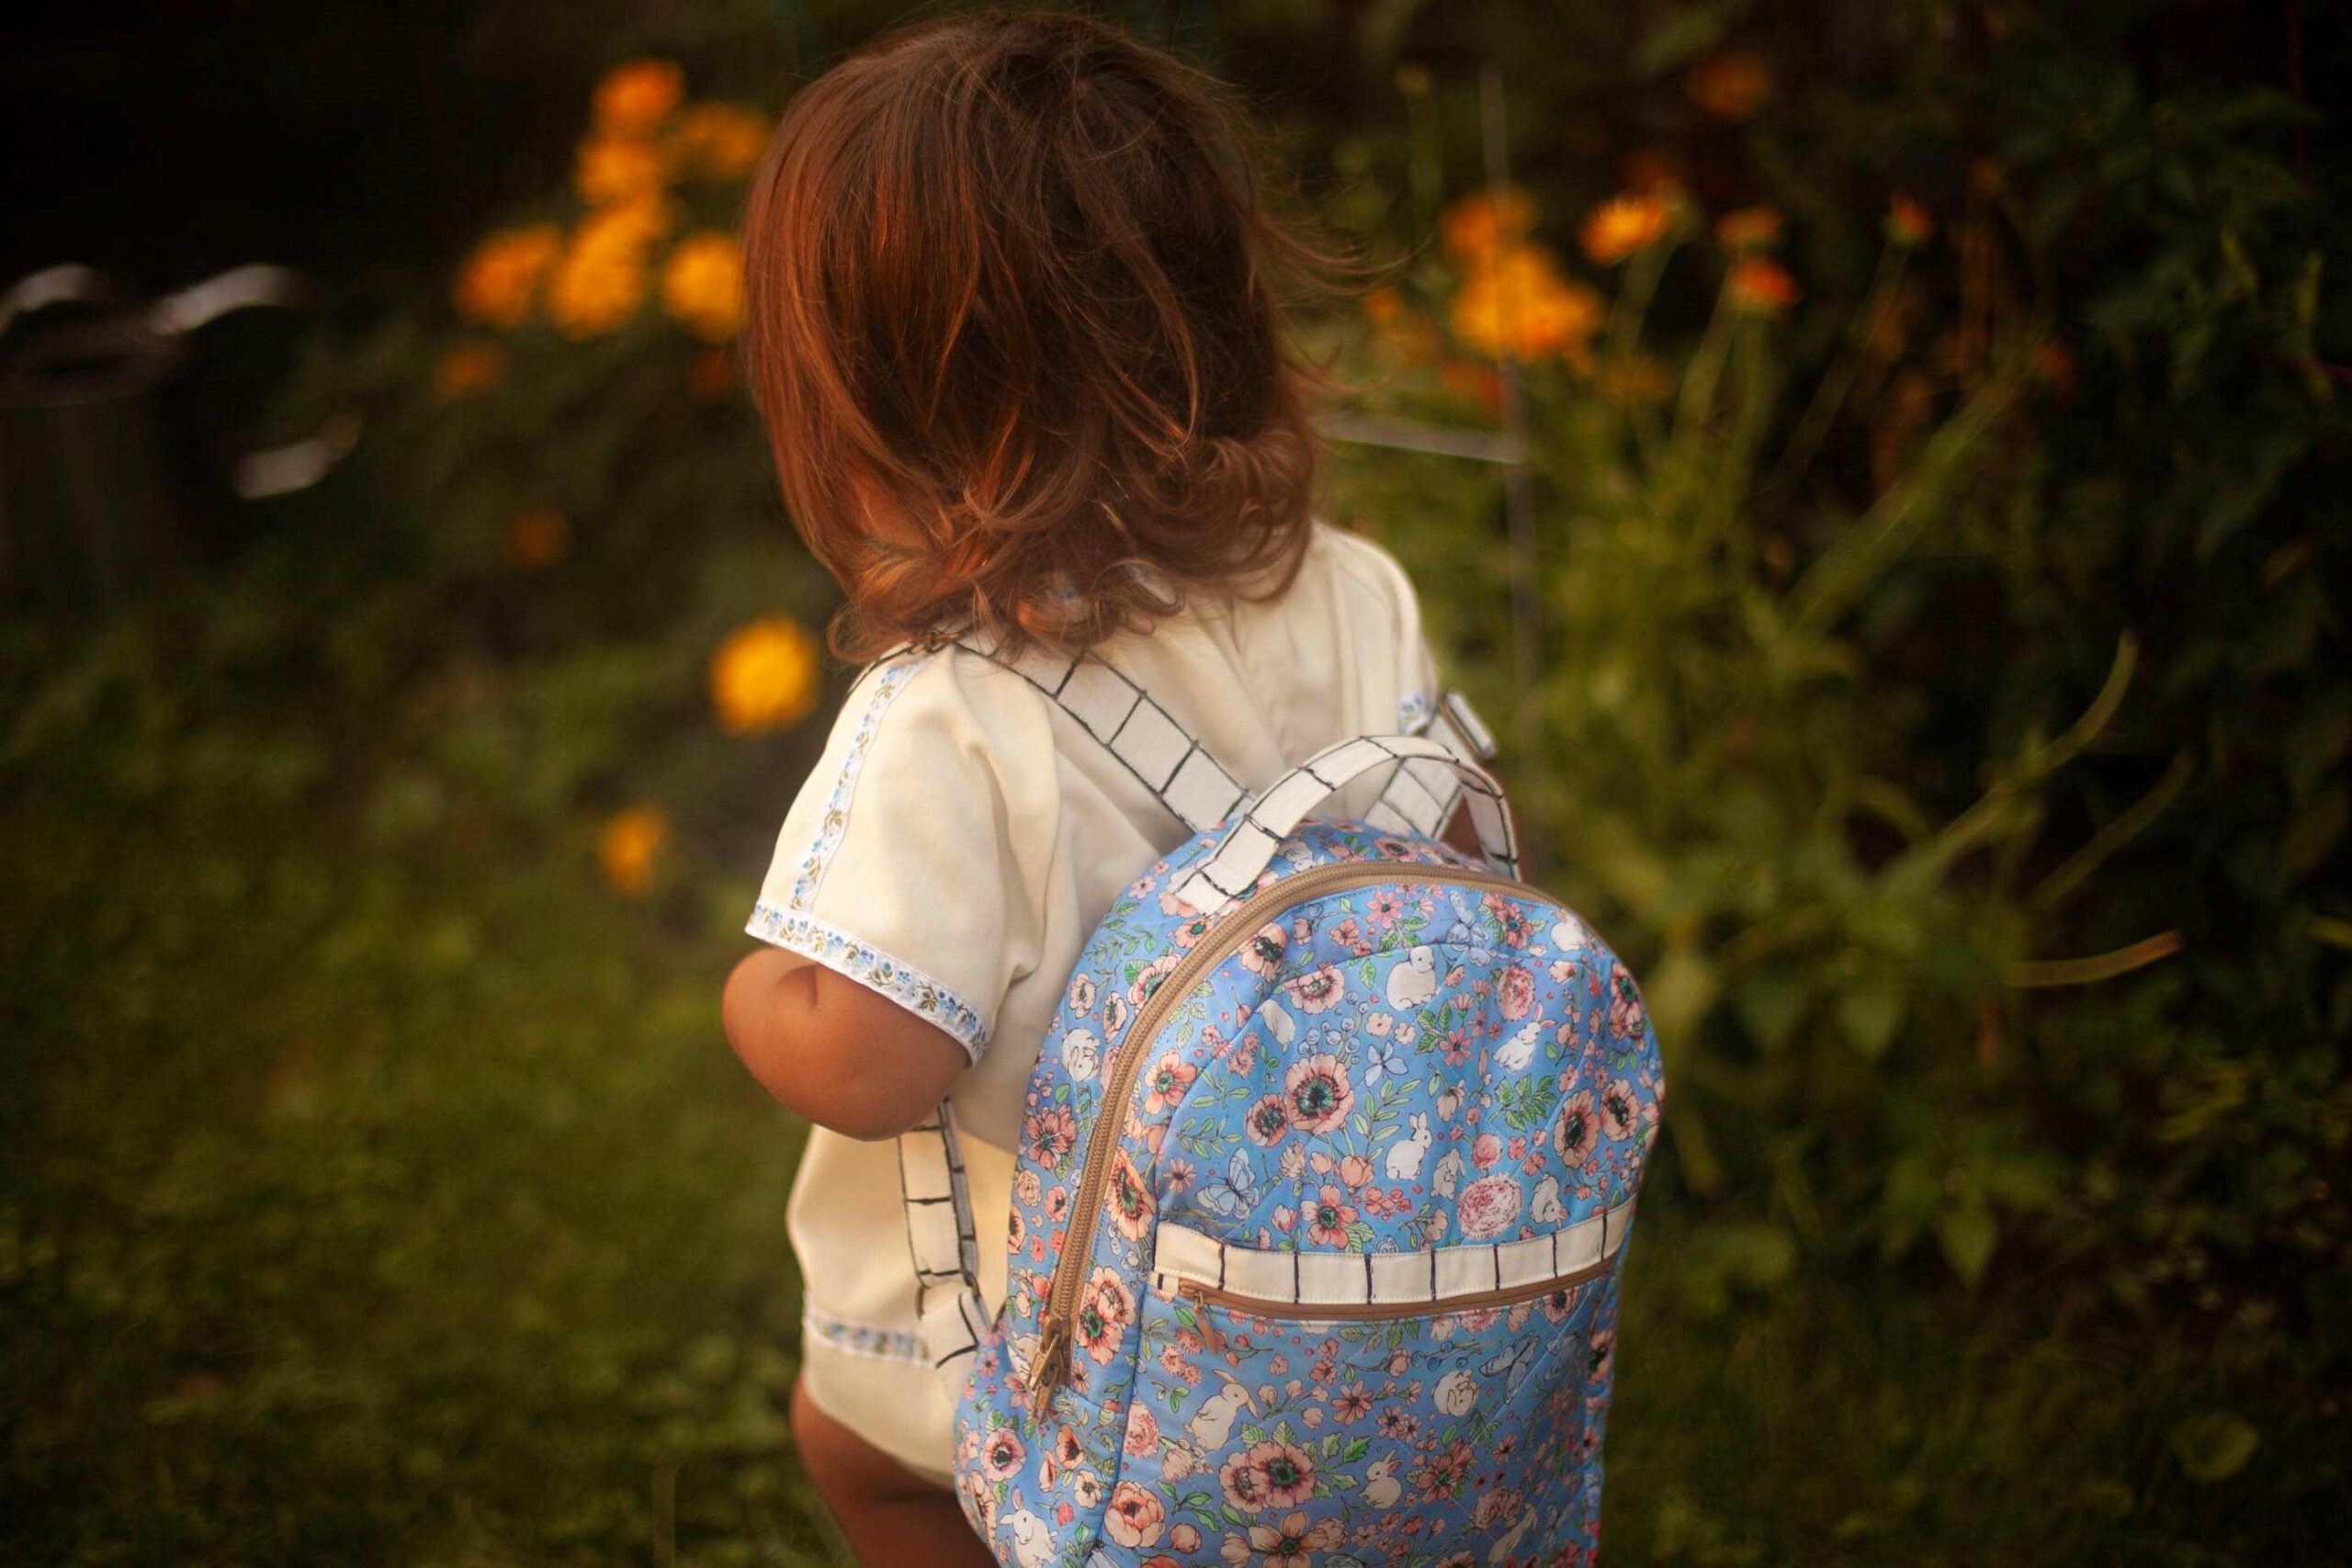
(1761, 284)
(764, 677)
(634, 98)
(1481, 224)
(1907, 223)
(721, 141)
(628, 845)
(1730, 86)
(1521, 302)
(1624, 225)
(1749, 229)
(536, 537)
(601, 278)
(615, 168)
(701, 284)
(496, 282)
(468, 368)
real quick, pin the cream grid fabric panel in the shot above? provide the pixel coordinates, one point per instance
(1381, 1279)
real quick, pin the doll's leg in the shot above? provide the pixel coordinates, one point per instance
(890, 1515)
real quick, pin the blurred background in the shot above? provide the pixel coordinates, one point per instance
(1882, 463)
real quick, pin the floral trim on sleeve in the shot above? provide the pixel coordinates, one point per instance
(836, 817)
(862, 1339)
(836, 949)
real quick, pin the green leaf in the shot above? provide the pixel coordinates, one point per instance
(1870, 1010)
(1966, 1232)
(2213, 1446)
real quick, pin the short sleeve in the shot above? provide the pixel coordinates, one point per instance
(913, 860)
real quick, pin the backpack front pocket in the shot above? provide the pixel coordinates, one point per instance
(1282, 1413)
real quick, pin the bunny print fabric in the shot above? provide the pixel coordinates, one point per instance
(1408, 1073)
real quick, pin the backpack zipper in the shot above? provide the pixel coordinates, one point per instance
(1232, 931)
(1274, 1308)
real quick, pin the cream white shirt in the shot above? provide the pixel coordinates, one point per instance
(953, 849)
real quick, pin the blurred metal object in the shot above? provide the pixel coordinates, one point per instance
(101, 480)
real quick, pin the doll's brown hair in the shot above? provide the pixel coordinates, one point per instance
(1013, 320)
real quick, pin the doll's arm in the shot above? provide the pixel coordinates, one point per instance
(839, 1054)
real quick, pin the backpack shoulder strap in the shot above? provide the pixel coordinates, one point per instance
(1420, 795)
(1183, 774)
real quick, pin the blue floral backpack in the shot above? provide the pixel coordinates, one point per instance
(1320, 1209)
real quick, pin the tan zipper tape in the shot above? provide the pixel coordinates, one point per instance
(1277, 1310)
(1232, 929)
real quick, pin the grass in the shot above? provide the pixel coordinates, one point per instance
(384, 1195)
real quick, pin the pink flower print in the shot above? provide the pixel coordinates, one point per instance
(1066, 1448)
(1485, 1150)
(1102, 1315)
(1378, 1025)
(1177, 1175)
(1115, 1017)
(1487, 1205)
(1135, 1518)
(1352, 1404)
(1494, 1507)
(1317, 1093)
(1517, 991)
(1184, 1538)
(1618, 1113)
(1192, 931)
(1058, 1203)
(1625, 1010)
(1173, 1363)
(1028, 1189)
(1001, 1454)
(1577, 1132)
(1081, 995)
(1294, 1162)
(1244, 1488)
(1051, 1136)
(1264, 952)
(1285, 1217)
(1285, 1475)
(1143, 1433)
(1148, 979)
(1329, 1217)
(1165, 1082)
(1355, 1170)
(1385, 909)
(1319, 990)
(1604, 1353)
(1267, 1121)
(1516, 926)
(1131, 1203)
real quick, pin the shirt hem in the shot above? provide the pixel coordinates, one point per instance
(795, 930)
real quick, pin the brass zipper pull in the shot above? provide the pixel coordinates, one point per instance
(1050, 1370)
(1193, 1292)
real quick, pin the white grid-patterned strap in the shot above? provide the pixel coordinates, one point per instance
(1249, 846)
(939, 1239)
(1181, 773)
(1430, 1276)
(1419, 795)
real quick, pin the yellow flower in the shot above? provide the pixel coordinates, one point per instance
(1521, 302)
(1907, 223)
(466, 368)
(1624, 225)
(496, 282)
(721, 141)
(634, 98)
(601, 278)
(1728, 86)
(536, 537)
(614, 168)
(1761, 284)
(1481, 224)
(628, 844)
(1749, 229)
(701, 284)
(763, 677)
